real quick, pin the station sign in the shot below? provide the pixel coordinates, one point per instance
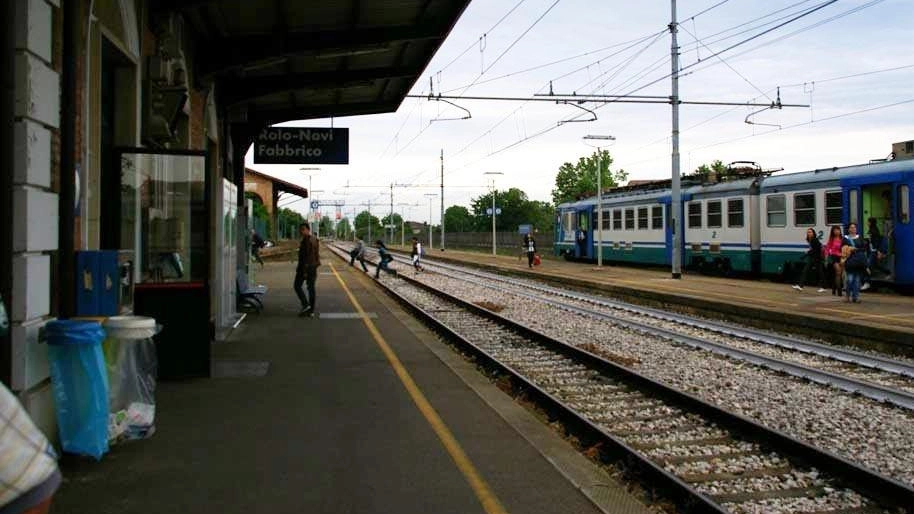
(302, 145)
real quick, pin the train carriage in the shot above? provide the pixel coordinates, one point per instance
(789, 204)
(721, 227)
(756, 224)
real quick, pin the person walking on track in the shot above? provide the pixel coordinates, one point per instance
(384, 259)
(417, 254)
(308, 260)
(358, 254)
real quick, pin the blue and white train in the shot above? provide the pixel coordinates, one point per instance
(755, 225)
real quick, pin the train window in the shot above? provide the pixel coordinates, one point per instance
(629, 219)
(804, 209)
(657, 217)
(833, 208)
(715, 218)
(904, 204)
(606, 220)
(777, 211)
(694, 214)
(617, 219)
(642, 218)
(735, 213)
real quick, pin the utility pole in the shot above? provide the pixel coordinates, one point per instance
(369, 221)
(430, 197)
(677, 197)
(390, 220)
(442, 201)
(494, 253)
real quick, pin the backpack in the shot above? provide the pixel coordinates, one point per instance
(856, 261)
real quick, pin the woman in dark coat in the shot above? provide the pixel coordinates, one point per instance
(813, 260)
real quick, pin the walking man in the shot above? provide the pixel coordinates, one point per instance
(358, 253)
(308, 260)
(257, 243)
(417, 254)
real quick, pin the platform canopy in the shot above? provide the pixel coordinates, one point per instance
(281, 60)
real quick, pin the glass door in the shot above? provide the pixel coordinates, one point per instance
(164, 206)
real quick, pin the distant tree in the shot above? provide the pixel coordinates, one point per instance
(457, 218)
(580, 179)
(397, 223)
(516, 209)
(717, 167)
(361, 227)
(287, 222)
(326, 226)
(343, 229)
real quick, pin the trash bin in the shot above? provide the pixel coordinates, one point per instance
(130, 355)
(80, 385)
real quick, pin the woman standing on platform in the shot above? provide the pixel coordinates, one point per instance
(813, 259)
(833, 259)
(855, 250)
(530, 247)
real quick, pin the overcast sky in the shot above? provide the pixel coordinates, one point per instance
(627, 47)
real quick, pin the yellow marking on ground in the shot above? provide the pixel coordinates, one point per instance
(858, 314)
(482, 490)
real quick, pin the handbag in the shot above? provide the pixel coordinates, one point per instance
(856, 261)
(536, 260)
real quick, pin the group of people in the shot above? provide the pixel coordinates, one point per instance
(385, 257)
(846, 261)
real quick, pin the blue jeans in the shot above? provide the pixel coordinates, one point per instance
(853, 285)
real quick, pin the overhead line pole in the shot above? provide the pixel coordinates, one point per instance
(676, 215)
(442, 201)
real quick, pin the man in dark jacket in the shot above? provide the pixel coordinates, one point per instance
(308, 260)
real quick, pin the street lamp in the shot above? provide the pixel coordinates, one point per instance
(599, 192)
(309, 190)
(493, 206)
(430, 197)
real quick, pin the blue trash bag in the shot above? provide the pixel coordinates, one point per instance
(80, 383)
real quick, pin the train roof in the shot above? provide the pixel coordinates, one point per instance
(835, 175)
(727, 188)
(620, 198)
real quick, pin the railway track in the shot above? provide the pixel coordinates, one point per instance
(704, 458)
(875, 377)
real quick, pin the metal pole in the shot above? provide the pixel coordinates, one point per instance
(442, 200)
(430, 221)
(369, 221)
(402, 231)
(390, 220)
(493, 217)
(599, 207)
(674, 100)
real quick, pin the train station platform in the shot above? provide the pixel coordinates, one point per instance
(359, 409)
(882, 320)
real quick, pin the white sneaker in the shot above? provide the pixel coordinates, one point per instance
(797, 287)
(820, 290)
(864, 287)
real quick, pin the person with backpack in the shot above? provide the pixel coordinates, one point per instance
(384, 259)
(854, 253)
(306, 272)
(416, 254)
(257, 243)
(358, 254)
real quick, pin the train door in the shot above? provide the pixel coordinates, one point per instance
(668, 232)
(876, 222)
(901, 234)
(584, 247)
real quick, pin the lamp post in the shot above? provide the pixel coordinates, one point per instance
(430, 197)
(309, 190)
(599, 192)
(493, 207)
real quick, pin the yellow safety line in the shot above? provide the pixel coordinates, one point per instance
(856, 314)
(485, 495)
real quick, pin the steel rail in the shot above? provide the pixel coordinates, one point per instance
(759, 336)
(883, 489)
